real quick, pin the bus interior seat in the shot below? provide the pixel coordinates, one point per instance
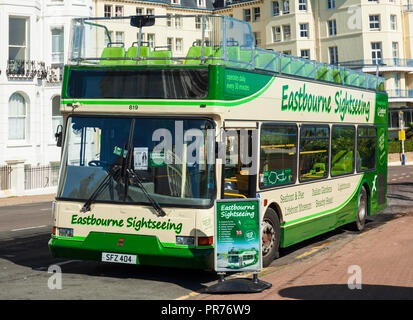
(144, 52)
(113, 52)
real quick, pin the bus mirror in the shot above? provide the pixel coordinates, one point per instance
(58, 135)
(142, 21)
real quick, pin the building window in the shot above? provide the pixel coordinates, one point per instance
(305, 53)
(139, 11)
(376, 52)
(374, 22)
(302, 5)
(304, 30)
(118, 11)
(247, 15)
(119, 36)
(331, 4)
(286, 33)
(18, 38)
(169, 43)
(395, 50)
(275, 8)
(257, 36)
(276, 34)
(332, 28)
(333, 55)
(57, 118)
(201, 3)
(178, 44)
(286, 7)
(150, 12)
(393, 22)
(107, 11)
(108, 38)
(57, 45)
(257, 14)
(17, 117)
(175, 1)
(178, 22)
(151, 40)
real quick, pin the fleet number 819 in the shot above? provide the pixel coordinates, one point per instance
(133, 107)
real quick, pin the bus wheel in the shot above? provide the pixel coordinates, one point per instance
(270, 237)
(362, 210)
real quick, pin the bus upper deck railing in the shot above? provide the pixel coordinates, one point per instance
(194, 40)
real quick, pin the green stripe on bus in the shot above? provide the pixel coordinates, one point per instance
(316, 215)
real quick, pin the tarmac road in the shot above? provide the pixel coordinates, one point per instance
(25, 260)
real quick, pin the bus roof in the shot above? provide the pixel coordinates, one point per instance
(194, 40)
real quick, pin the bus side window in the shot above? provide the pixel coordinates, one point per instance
(278, 154)
(366, 148)
(314, 150)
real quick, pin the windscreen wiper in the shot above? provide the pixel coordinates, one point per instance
(154, 203)
(114, 172)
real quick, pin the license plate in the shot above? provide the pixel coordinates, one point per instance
(119, 258)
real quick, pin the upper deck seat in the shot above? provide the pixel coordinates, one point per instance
(233, 55)
(195, 51)
(144, 52)
(166, 54)
(113, 52)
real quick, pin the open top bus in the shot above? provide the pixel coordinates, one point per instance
(155, 131)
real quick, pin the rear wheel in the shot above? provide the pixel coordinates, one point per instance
(270, 237)
(362, 210)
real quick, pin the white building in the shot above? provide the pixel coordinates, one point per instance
(33, 38)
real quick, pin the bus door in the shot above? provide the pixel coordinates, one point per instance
(239, 178)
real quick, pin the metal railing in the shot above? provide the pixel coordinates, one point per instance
(5, 177)
(389, 62)
(26, 69)
(41, 177)
(400, 93)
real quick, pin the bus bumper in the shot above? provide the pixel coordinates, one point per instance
(149, 250)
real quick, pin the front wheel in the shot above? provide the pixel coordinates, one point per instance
(270, 237)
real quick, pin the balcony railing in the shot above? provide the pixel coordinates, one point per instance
(55, 73)
(399, 93)
(26, 69)
(392, 62)
(408, 8)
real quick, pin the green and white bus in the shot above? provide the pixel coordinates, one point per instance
(154, 134)
(240, 258)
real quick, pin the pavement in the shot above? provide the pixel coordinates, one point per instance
(12, 201)
(377, 264)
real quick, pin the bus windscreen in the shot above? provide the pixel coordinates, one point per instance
(153, 83)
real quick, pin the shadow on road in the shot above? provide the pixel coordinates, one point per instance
(32, 251)
(342, 292)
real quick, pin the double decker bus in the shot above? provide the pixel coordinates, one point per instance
(153, 134)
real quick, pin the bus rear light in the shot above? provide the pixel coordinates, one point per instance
(205, 241)
(54, 231)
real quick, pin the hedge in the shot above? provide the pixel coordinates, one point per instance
(396, 146)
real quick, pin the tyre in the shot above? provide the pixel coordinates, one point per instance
(362, 210)
(270, 237)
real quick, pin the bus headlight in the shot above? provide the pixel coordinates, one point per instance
(187, 241)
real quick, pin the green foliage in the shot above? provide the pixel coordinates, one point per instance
(396, 146)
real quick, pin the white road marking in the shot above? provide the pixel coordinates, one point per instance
(28, 228)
